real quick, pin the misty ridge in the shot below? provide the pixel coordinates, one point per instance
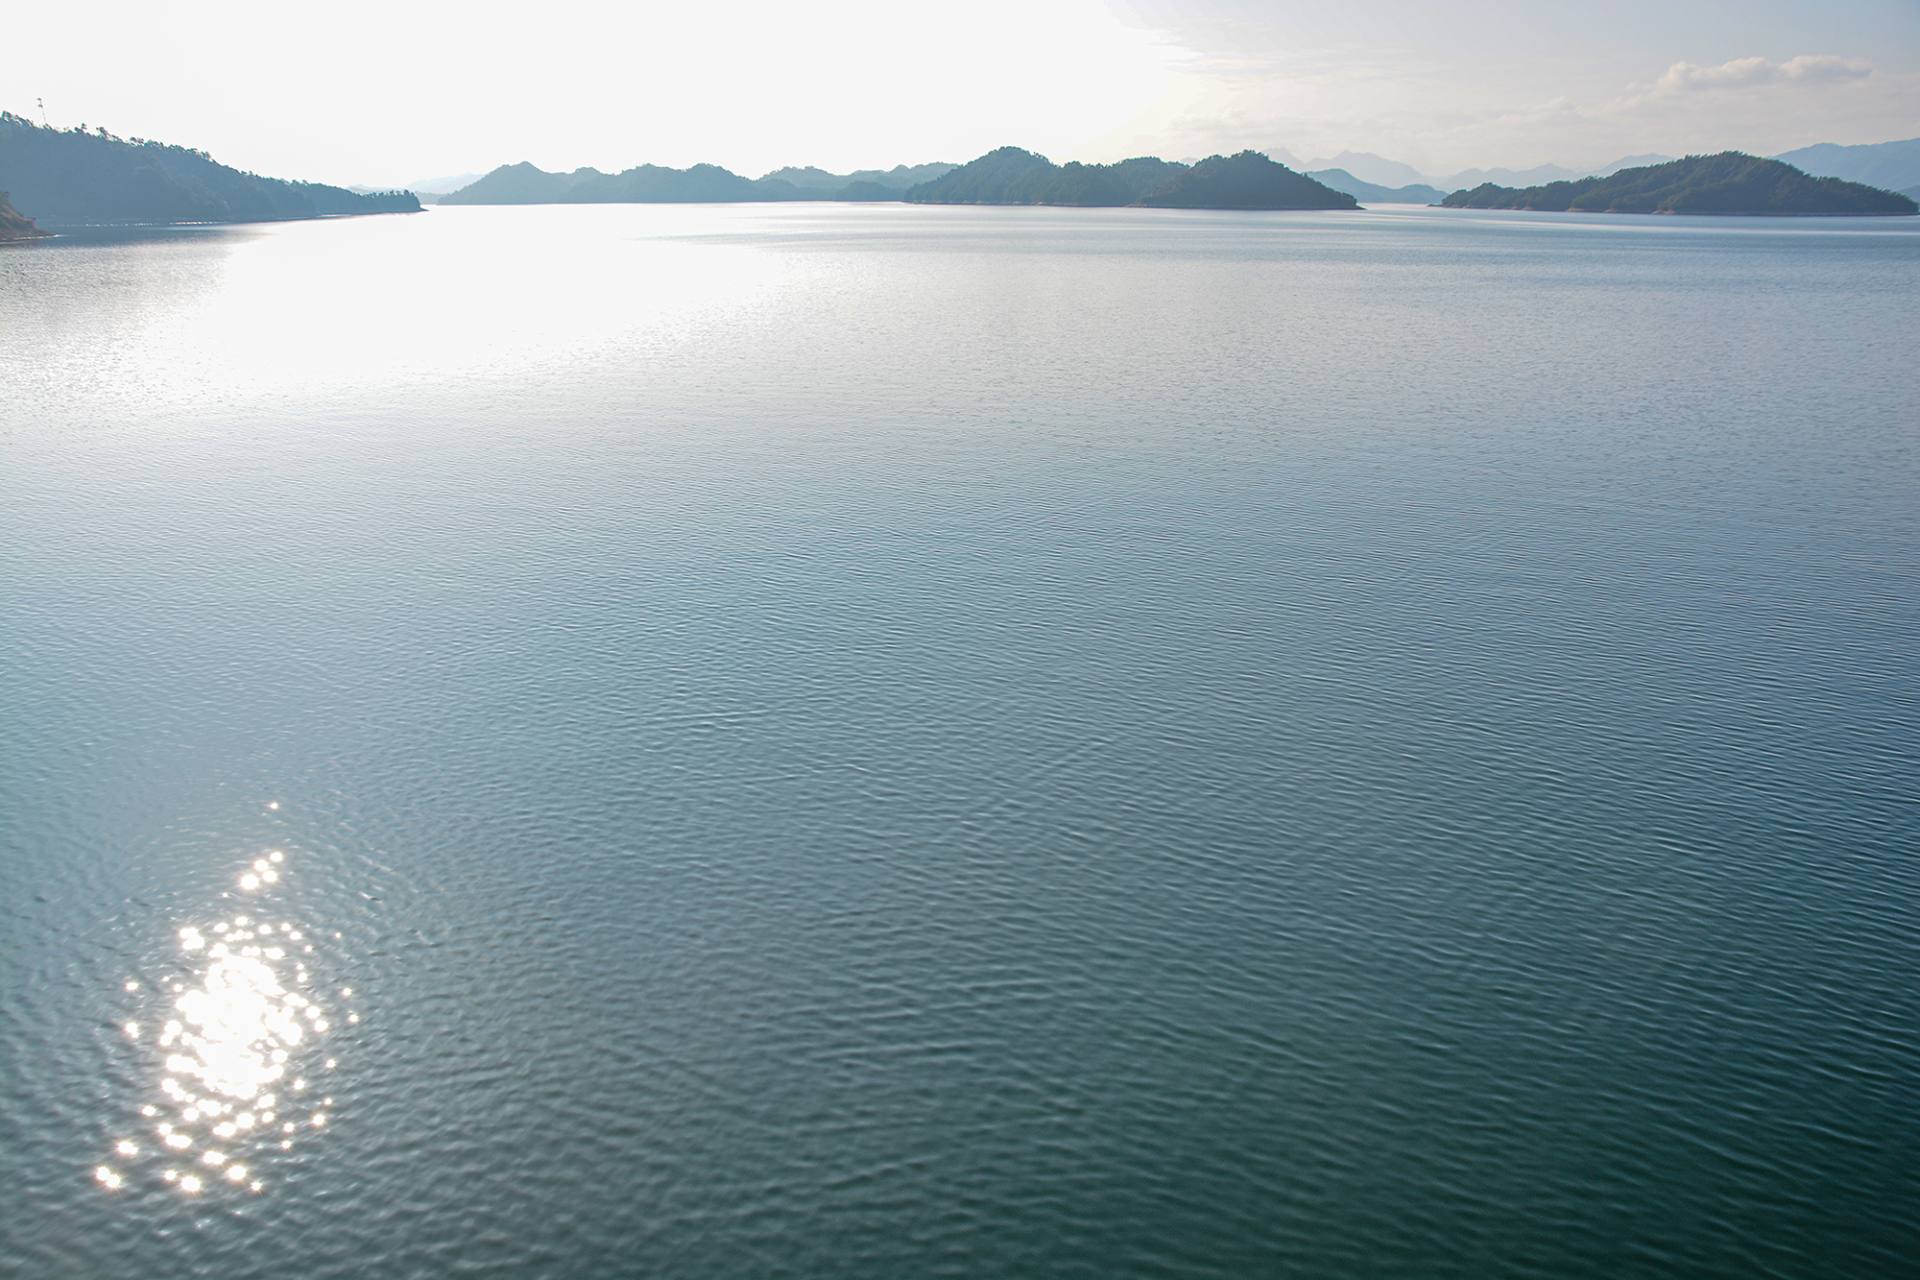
(526, 183)
(1011, 175)
(1006, 176)
(1729, 183)
(75, 177)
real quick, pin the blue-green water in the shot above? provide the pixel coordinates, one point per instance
(842, 741)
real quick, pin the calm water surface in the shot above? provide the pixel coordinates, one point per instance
(840, 741)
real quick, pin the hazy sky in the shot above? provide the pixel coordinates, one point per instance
(391, 92)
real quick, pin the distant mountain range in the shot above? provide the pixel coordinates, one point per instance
(1006, 176)
(1365, 167)
(1728, 183)
(63, 177)
(429, 190)
(899, 178)
(1378, 171)
(441, 186)
(1011, 175)
(525, 183)
(1891, 166)
(67, 177)
(1373, 193)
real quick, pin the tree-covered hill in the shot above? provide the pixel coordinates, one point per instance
(521, 183)
(1010, 175)
(819, 182)
(72, 177)
(1141, 176)
(652, 183)
(1249, 180)
(645, 184)
(1731, 182)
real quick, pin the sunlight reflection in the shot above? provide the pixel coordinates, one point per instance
(235, 1023)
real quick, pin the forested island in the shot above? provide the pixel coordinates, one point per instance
(1731, 182)
(1248, 180)
(1010, 175)
(525, 183)
(81, 177)
(15, 225)
(1006, 176)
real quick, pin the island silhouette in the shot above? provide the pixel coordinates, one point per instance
(1731, 182)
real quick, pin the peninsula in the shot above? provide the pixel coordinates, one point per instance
(15, 225)
(1731, 182)
(77, 177)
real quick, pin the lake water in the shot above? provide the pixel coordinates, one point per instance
(839, 741)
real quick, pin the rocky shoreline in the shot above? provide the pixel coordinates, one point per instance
(15, 225)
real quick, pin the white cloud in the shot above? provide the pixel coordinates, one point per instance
(1741, 73)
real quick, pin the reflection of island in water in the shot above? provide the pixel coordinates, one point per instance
(235, 1040)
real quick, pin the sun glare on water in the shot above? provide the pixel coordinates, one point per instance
(232, 1037)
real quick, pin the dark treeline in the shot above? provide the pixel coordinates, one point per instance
(1731, 182)
(73, 177)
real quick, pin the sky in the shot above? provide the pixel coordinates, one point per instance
(397, 92)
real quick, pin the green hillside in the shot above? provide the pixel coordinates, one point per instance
(1248, 180)
(71, 177)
